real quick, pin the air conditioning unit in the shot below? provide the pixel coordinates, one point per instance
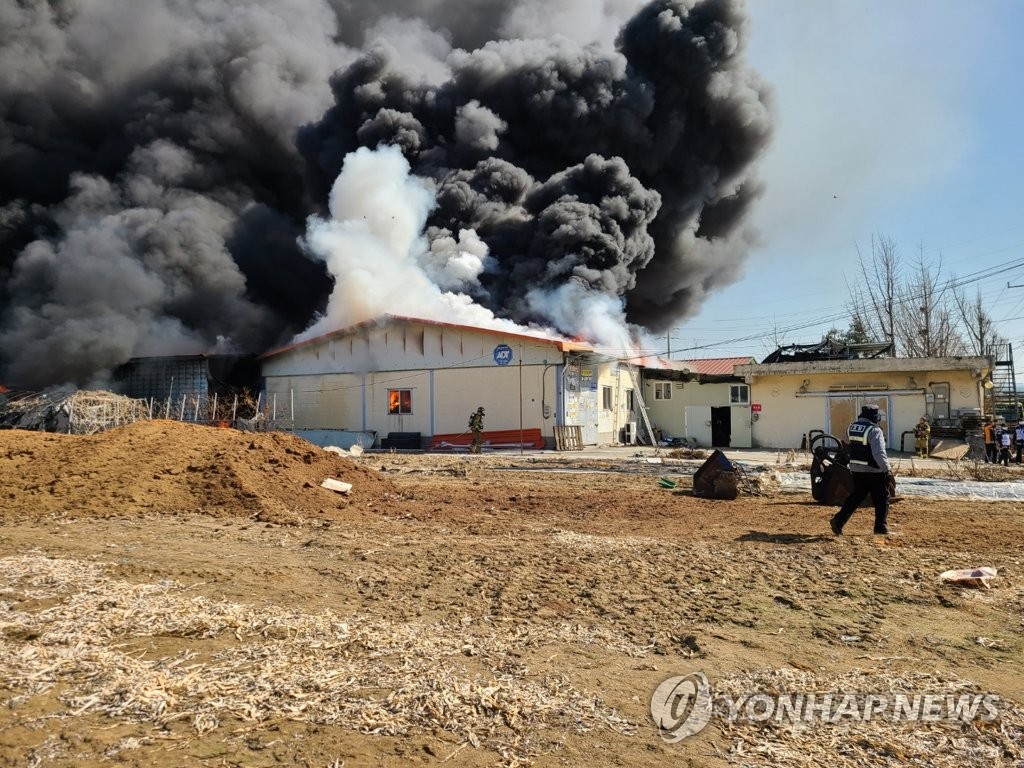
(629, 433)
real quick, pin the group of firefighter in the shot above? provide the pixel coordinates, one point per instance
(1003, 442)
(1001, 439)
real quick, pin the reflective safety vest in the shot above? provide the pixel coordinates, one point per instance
(860, 449)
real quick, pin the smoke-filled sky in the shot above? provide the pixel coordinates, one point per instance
(184, 176)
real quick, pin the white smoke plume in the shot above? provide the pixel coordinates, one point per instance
(374, 247)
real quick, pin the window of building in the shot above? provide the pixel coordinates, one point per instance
(629, 400)
(663, 390)
(739, 394)
(399, 401)
(606, 398)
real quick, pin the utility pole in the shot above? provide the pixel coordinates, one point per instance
(1013, 373)
(668, 343)
(926, 332)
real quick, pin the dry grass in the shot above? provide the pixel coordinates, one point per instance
(357, 672)
(974, 469)
(879, 741)
(373, 676)
(688, 453)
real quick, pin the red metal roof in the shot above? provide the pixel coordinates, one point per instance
(563, 345)
(717, 366)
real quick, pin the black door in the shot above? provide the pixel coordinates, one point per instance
(721, 427)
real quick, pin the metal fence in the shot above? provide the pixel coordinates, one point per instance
(241, 412)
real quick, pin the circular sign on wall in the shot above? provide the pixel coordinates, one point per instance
(503, 354)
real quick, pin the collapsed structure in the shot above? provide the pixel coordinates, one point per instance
(74, 412)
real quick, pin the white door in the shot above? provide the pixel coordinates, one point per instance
(698, 424)
(741, 431)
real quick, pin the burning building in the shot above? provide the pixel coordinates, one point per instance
(421, 380)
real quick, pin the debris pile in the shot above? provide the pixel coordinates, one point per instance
(716, 479)
(170, 467)
(76, 412)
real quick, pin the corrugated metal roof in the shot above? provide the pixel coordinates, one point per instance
(563, 345)
(717, 366)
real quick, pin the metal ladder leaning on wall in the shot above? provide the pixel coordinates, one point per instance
(642, 406)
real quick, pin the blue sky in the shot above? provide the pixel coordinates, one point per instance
(901, 118)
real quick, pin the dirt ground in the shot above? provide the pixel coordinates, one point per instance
(173, 595)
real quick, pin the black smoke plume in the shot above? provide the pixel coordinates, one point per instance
(155, 183)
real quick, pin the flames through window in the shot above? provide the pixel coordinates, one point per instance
(399, 401)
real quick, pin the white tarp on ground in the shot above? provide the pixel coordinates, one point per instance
(936, 488)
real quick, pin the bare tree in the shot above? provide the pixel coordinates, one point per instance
(978, 325)
(926, 324)
(873, 299)
(912, 309)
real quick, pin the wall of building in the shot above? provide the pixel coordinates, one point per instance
(684, 414)
(669, 415)
(330, 401)
(795, 402)
(442, 400)
(614, 378)
(510, 396)
(449, 373)
(162, 378)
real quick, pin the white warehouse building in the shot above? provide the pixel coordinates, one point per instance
(422, 379)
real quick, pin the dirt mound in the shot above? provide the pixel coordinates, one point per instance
(170, 467)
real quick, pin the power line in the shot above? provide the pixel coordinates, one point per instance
(847, 315)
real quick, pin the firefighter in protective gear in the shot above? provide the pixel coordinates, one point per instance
(869, 465)
(922, 437)
(989, 431)
(1005, 437)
